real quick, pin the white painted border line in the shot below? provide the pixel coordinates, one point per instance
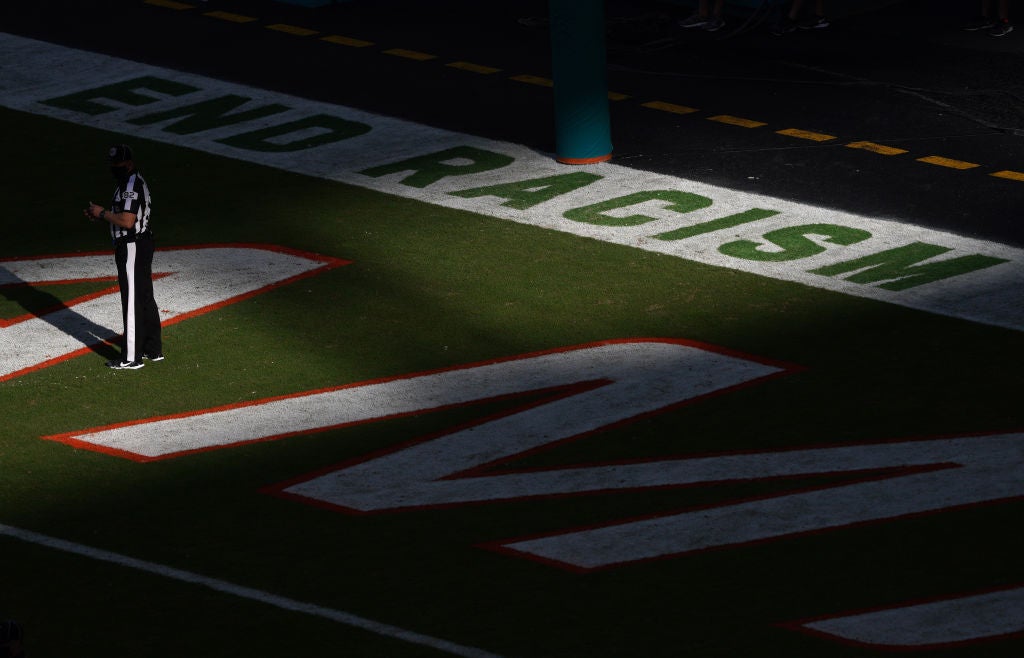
(260, 596)
(869, 257)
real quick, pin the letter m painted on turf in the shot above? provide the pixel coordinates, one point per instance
(901, 268)
(589, 388)
(900, 479)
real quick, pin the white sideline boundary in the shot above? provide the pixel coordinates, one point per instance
(260, 596)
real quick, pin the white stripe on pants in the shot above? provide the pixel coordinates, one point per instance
(129, 318)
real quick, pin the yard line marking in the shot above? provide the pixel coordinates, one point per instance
(948, 162)
(1009, 175)
(252, 594)
(409, 54)
(294, 30)
(805, 134)
(475, 68)
(346, 41)
(880, 149)
(533, 80)
(737, 121)
(228, 16)
(669, 107)
(170, 4)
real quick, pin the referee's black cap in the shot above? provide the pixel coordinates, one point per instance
(120, 153)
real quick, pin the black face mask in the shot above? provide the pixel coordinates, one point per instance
(120, 173)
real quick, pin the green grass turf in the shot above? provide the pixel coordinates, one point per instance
(433, 288)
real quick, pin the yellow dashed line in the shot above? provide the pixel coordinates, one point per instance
(948, 162)
(737, 121)
(475, 68)
(294, 30)
(669, 107)
(880, 149)
(346, 41)
(170, 4)
(805, 134)
(616, 96)
(533, 80)
(228, 16)
(409, 54)
(1009, 175)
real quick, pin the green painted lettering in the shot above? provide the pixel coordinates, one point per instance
(897, 266)
(208, 115)
(328, 129)
(428, 169)
(793, 242)
(123, 92)
(528, 193)
(680, 202)
(728, 221)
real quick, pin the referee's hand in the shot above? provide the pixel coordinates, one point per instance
(92, 212)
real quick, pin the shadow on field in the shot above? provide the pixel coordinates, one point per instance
(52, 310)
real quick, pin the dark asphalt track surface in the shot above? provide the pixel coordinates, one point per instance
(898, 74)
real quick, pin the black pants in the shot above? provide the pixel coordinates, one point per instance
(138, 307)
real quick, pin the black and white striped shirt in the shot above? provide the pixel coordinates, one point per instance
(131, 196)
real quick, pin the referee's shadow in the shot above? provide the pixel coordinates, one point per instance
(54, 311)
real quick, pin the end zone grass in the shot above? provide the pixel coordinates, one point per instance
(433, 288)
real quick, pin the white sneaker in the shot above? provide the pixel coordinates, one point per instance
(696, 20)
(118, 364)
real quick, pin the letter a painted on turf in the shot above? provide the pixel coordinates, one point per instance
(189, 282)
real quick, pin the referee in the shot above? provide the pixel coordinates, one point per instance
(133, 252)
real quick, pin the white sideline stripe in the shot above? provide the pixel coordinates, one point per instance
(340, 616)
(949, 621)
